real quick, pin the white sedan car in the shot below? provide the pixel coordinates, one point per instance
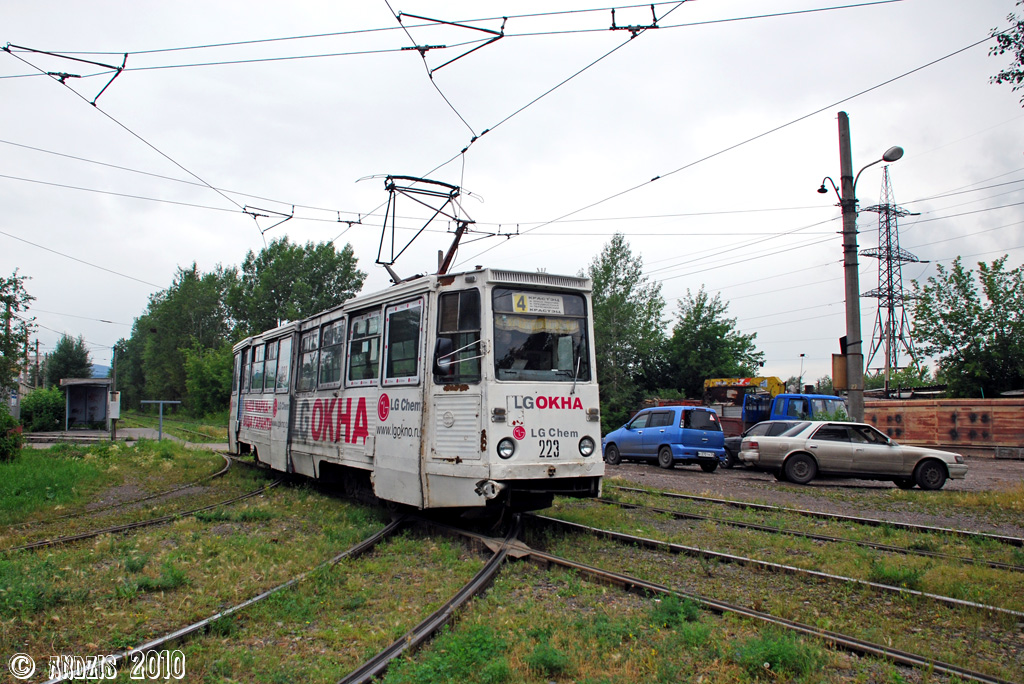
(813, 448)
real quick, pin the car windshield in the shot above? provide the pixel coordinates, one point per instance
(828, 406)
(540, 336)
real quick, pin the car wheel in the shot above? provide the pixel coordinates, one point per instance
(730, 459)
(800, 468)
(612, 456)
(780, 475)
(709, 467)
(665, 459)
(904, 482)
(930, 475)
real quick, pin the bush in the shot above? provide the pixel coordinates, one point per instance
(43, 410)
(11, 439)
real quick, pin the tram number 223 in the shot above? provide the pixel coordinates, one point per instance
(548, 448)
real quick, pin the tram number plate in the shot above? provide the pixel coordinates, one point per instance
(705, 454)
(548, 448)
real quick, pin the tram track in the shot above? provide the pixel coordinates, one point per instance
(847, 641)
(646, 588)
(178, 635)
(655, 544)
(130, 502)
(872, 522)
(126, 527)
(414, 638)
(759, 527)
(378, 664)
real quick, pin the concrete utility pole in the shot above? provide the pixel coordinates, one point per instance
(848, 202)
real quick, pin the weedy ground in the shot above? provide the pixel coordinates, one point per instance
(533, 625)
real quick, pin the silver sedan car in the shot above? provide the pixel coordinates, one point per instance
(813, 448)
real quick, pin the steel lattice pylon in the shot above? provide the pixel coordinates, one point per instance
(892, 329)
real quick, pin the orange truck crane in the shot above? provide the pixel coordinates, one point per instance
(727, 396)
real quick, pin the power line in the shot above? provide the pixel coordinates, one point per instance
(81, 261)
(130, 131)
(744, 142)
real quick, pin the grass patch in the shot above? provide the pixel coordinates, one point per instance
(235, 515)
(43, 479)
(25, 592)
(773, 654)
(1002, 502)
(170, 577)
(474, 654)
(908, 578)
(670, 611)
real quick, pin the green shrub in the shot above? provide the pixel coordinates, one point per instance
(547, 659)
(671, 612)
(775, 654)
(11, 439)
(43, 410)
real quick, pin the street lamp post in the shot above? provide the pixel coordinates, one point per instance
(802, 372)
(848, 203)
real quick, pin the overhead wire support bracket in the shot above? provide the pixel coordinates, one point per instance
(252, 211)
(499, 34)
(635, 29)
(62, 77)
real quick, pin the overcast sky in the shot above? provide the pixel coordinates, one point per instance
(731, 104)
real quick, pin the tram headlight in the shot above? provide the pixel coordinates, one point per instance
(506, 448)
(587, 446)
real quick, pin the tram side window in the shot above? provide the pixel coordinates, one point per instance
(244, 384)
(284, 362)
(270, 372)
(457, 356)
(402, 343)
(308, 355)
(256, 384)
(332, 341)
(363, 348)
(237, 374)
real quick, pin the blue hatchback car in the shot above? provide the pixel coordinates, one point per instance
(669, 435)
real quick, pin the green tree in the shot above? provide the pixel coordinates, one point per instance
(190, 314)
(823, 385)
(1010, 40)
(286, 282)
(69, 359)
(911, 376)
(14, 327)
(978, 337)
(706, 344)
(208, 379)
(628, 329)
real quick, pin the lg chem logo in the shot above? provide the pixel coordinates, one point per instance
(22, 666)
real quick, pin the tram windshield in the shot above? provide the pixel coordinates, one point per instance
(540, 336)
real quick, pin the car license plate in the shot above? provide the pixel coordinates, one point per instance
(705, 454)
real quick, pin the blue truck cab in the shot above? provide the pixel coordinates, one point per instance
(758, 407)
(669, 435)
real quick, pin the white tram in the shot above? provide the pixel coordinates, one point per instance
(444, 391)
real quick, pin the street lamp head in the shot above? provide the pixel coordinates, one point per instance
(892, 154)
(822, 190)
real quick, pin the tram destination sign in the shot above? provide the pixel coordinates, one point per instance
(532, 303)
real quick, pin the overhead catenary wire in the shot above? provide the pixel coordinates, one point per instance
(742, 143)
